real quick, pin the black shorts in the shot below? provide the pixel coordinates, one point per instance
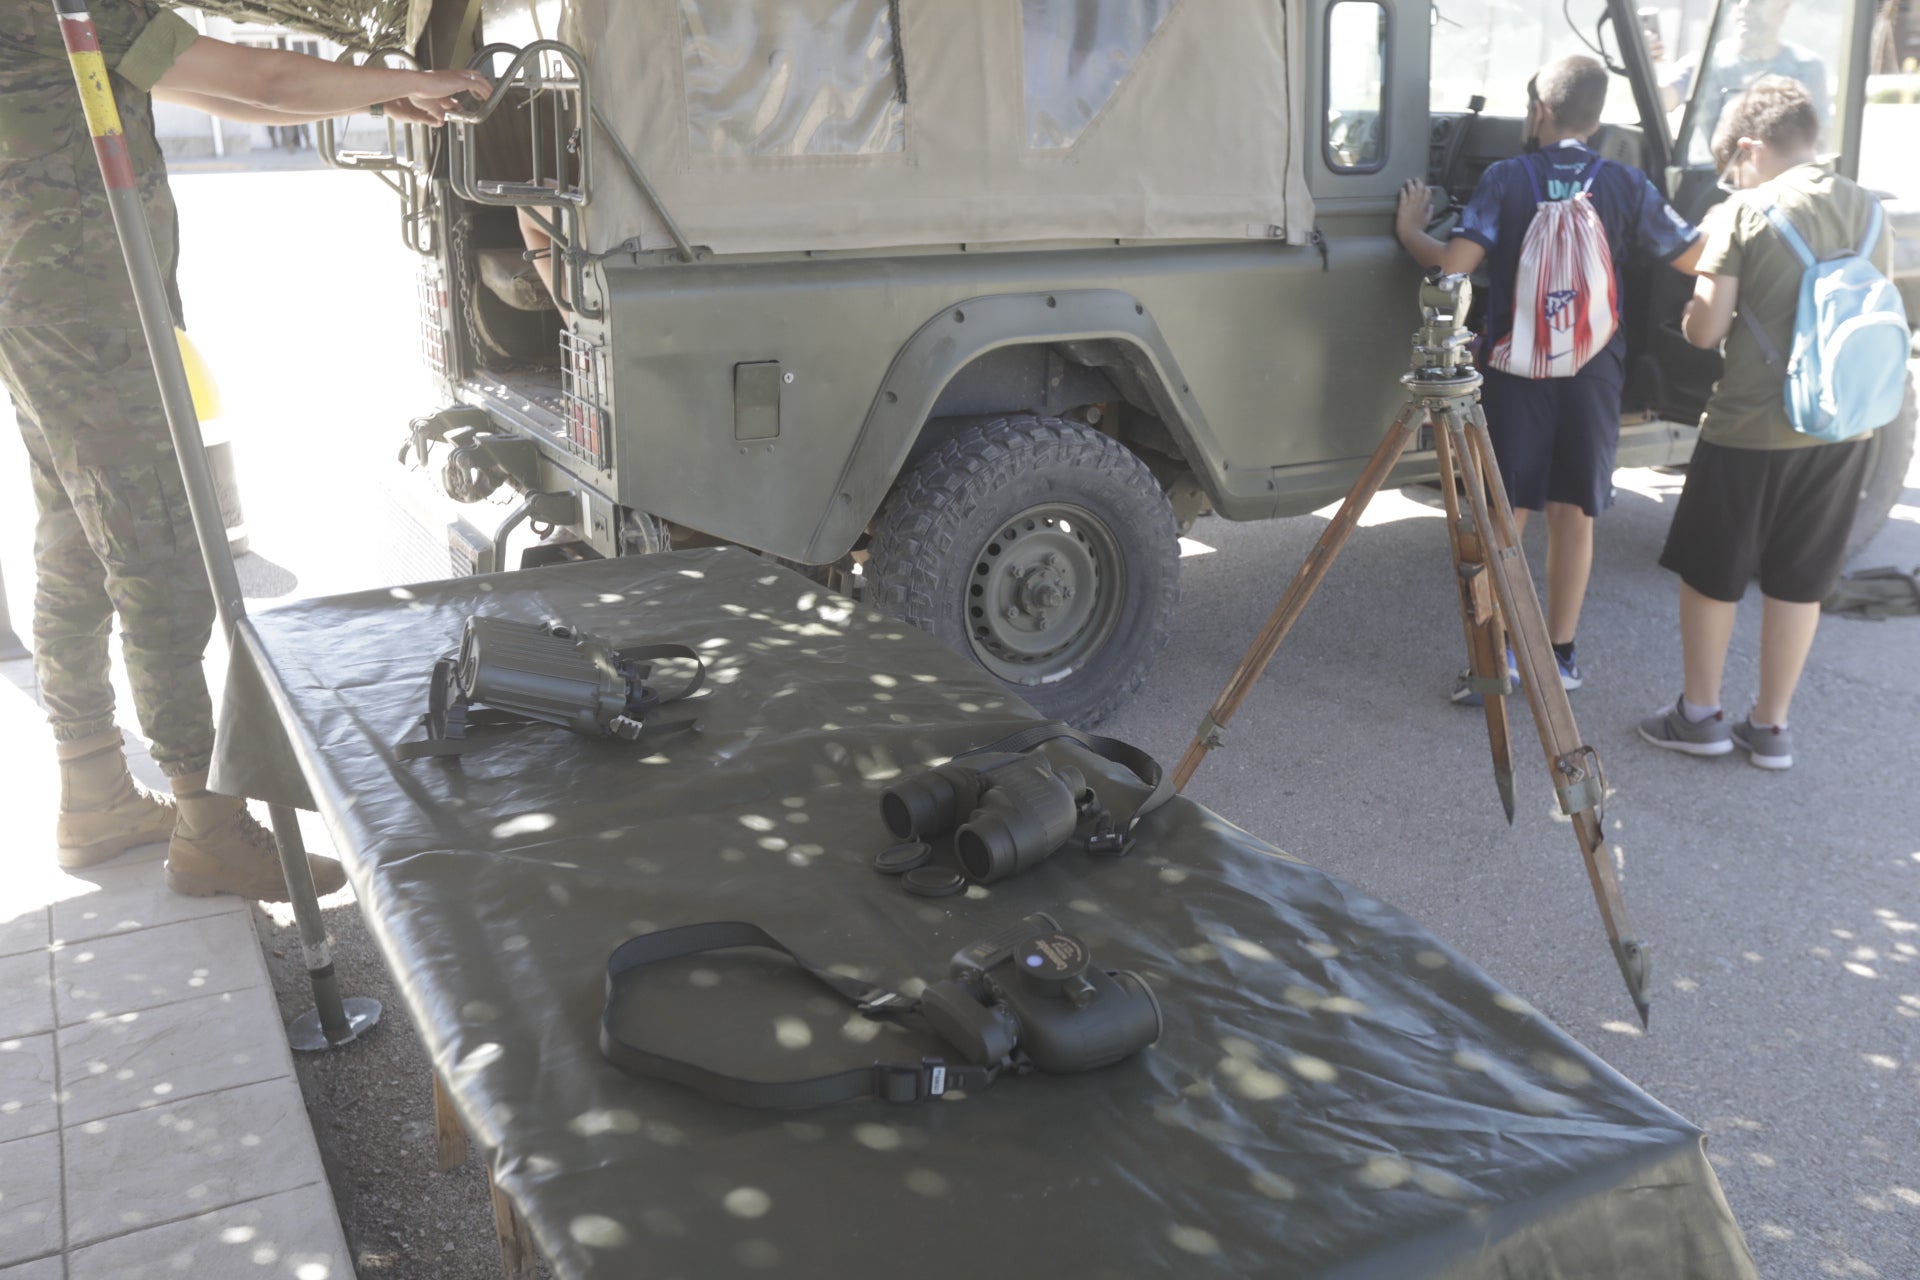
(1556, 438)
(1779, 515)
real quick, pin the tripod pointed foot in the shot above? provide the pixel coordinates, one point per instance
(1505, 782)
(1636, 966)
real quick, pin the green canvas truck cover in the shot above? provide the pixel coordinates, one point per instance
(861, 124)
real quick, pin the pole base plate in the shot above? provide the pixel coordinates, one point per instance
(305, 1035)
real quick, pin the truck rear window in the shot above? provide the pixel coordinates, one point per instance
(777, 78)
(1077, 53)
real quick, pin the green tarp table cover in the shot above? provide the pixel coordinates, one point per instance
(1336, 1092)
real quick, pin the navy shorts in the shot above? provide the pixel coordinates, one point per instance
(1780, 515)
(1556, 438)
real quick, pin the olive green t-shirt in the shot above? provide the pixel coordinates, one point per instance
(60, 260)
(1748, 409)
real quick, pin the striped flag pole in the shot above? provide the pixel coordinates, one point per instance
(150, 295)
(331, 1021)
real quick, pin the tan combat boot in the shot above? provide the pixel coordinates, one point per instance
(103, 813)
(218, 847)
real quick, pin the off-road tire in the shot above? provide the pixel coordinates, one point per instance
(946, 511)
(1886, 476)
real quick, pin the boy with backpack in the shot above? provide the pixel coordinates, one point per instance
(1553, 228)
(1793, 278)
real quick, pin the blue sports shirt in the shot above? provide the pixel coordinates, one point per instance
(1496, 218)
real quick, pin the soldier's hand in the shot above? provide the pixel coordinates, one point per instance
(403, 110)
(1416, 207)
(438, 90)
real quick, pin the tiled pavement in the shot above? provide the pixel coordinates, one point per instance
(150, 1121)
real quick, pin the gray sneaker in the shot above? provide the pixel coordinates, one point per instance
(1768, 748)
(1673, 731)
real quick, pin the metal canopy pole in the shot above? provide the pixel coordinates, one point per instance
(334, 1021)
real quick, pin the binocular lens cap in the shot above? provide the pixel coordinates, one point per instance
(1056, 958)
(934, 882)
(902, 858)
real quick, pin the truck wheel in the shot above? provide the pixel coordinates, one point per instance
(1042, 549)
(1886, 477)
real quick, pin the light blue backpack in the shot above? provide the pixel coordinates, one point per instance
(1846, 373)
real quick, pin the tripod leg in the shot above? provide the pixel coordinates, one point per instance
(1578, 778)
(1299, 591)
(1479, 613)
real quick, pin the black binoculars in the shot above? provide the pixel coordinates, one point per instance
(1032, 996)
(1011, 810)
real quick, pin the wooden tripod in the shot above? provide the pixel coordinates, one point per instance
(1497, 599)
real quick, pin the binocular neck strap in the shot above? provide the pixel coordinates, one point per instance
(1143, 766)
(902, 1082)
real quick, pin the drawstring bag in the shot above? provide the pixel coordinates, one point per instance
(1566, 301)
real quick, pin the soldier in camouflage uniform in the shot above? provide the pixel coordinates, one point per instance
(114, 534)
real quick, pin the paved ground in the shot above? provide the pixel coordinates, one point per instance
(1785, 910)
(268, 272)
(150, 1121)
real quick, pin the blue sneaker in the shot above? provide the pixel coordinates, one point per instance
(1569, 672)
(1465, 695)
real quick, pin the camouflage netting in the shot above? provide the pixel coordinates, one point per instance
(358, 24)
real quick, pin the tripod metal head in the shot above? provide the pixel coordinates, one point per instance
(1442, 358)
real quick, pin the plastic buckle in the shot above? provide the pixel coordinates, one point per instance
(1109, 844)
(905, 1083)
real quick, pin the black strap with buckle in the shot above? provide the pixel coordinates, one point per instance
(896, 1082)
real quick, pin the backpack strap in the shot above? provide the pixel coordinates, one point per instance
(1533, 179)
(1768, 352)
(1876, 220)
(1783, 226)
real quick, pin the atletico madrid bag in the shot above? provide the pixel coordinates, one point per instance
(1566, 301)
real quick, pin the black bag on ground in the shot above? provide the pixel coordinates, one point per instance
(1876, 594)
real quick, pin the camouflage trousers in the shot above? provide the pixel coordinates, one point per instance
(114, 537)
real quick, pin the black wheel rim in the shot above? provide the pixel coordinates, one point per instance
(1044, 595)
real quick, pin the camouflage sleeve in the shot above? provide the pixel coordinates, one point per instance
(154, 50)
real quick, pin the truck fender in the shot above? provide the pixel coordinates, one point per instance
(962, 333)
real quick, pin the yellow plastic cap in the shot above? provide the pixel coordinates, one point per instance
(206, 392)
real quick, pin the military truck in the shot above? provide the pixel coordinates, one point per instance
(973, 307)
